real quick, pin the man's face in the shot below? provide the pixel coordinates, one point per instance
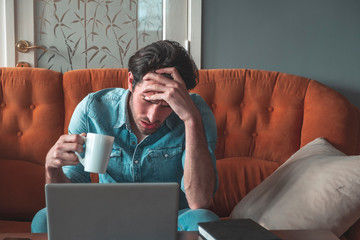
(146, 116)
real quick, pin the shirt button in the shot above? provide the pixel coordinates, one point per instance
(166, 155)
(32, 106)
(136, 161)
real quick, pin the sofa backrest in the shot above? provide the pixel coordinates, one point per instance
(31, 120)
(270, 115)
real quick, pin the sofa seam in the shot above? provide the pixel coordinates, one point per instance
(303, 112)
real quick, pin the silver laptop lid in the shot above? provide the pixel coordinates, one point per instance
(112, 211)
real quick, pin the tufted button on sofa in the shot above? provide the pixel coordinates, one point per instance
(262, 117)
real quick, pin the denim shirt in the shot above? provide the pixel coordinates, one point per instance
(159, 157)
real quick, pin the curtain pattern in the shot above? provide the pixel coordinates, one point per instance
(82, 34)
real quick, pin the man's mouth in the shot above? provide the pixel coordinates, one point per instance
(148, 125)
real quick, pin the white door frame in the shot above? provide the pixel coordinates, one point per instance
(7, 41)
(182, 23)
(14, 12)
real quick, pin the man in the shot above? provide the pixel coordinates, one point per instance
(162, 133)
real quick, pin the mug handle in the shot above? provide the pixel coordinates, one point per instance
(78, 155)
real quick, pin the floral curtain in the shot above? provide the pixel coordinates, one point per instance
(82, 34)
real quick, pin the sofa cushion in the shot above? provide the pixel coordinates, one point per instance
(238, 176)
(31, 120)
(318, 187)
(23, 194)
(258, 113)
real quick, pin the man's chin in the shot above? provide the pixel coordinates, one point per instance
(148, 131)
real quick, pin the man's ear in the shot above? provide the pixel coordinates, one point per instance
(130, 81)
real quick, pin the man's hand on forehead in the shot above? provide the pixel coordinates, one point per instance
(163, 80)
(172, 91)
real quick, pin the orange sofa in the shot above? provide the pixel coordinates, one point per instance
(263, 117)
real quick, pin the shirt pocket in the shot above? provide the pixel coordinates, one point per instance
(165, 163)
(118, 167)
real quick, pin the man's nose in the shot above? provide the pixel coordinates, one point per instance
(153, 113)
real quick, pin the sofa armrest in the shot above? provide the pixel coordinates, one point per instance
(329, 114)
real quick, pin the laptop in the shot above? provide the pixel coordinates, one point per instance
(124, 211)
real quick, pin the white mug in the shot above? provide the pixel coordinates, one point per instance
(97, 152)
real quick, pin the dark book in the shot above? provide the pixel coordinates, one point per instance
(235, 229)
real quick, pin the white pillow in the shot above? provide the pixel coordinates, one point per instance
(318, 187)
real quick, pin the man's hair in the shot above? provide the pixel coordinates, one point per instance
(163, 54)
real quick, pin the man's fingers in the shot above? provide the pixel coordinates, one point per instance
(72, 138)
(66, 158)
(156, 88)
(69, 147)
(63, 152)
(172, 71)
(160, 76)
(155, 97)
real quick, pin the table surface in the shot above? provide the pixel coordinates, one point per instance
(283, 234)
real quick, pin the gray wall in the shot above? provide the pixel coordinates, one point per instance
(317, 39)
